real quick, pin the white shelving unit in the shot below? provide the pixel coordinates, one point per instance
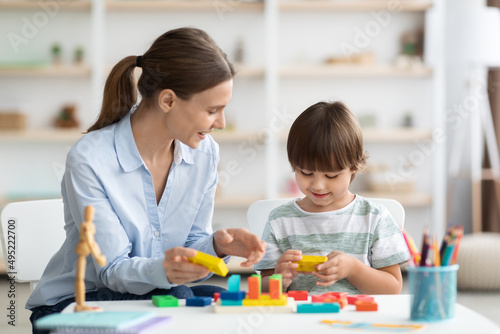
(275, 81)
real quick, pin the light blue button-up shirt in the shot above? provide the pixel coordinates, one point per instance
(104, 169)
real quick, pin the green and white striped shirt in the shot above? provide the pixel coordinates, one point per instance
(363, 229)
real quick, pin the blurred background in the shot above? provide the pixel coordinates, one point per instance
(419, 75)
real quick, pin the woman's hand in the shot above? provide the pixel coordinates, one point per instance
(336, 268)
(286, 267)
(179, 269)
(239, 242)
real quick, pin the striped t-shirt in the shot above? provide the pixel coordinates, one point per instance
(363, 229)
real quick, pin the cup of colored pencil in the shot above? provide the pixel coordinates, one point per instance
(432, 275)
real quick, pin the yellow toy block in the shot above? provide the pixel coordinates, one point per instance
(265, 300)
(309, 261)
(212, 263)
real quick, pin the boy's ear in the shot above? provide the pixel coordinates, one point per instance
(166, 100)
(353, 175)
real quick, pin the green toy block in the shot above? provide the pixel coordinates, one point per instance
(165, 301)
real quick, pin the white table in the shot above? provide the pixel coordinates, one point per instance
(392, 309)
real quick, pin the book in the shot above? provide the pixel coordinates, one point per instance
(142, 328)
(95, 320)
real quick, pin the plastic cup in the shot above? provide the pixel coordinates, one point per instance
(433, 292)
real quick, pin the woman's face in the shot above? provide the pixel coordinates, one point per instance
(190, 120)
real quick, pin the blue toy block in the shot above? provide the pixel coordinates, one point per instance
(198, 301)
(233, 283)
(240, 295)
(229, 302)
(318, 308)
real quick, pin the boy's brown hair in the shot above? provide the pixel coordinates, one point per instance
(326, 137)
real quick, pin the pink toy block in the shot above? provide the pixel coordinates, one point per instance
(298, 295)
(351, 300)
(366, 306)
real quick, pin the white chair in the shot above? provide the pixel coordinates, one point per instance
(259, 211)
(32, 232)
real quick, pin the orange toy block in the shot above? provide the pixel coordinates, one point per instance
(351, 300)
(309, 261)
(275, 286)
(212, 263)
(298, 295)
(366, 305)
(254, 287)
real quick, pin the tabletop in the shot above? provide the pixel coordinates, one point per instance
(392, 310)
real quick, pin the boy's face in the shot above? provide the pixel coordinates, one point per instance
(325, 191)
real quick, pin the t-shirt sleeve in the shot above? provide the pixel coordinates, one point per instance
(273, 251)
(388, 246)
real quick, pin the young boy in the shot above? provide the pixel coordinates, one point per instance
(363, 243)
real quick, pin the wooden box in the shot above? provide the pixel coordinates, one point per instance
(12, 121)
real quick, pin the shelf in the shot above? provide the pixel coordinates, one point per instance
(400, 135)
(36, 136)
(358, 71)
(362, 5)
(408, 200)
(65, 5)
(223, 202)
(245, 71)
(59, 71)
(72, 135)
(184, 5)
(395, 136)
(228, 137)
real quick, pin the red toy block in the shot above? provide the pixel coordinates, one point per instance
(340, 295)
(298, 295)
(216, 296)
(366, 306)
(351, 300)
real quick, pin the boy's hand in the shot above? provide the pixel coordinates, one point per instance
(336, 268)
(286, 268)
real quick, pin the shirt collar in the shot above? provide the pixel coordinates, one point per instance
(126, 148)
(182, 152)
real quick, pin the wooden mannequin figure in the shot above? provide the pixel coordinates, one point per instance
(85, 247)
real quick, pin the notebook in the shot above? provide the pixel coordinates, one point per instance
(95, 320)
(142, 328)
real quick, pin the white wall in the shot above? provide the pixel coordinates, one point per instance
(456, 108)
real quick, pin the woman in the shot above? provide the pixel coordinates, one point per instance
(150, 172)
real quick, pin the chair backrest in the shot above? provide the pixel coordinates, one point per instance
(259, 211)
(32, 232)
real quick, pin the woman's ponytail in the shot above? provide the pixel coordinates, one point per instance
(120, 94)
(185, 60)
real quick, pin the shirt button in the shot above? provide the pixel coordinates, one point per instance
(157, 233)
